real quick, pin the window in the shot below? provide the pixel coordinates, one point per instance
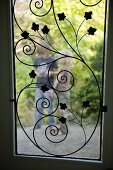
(6, 112)
(74, 99)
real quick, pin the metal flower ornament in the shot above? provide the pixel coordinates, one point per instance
(43, 32)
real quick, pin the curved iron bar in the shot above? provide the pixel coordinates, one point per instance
(79, 29)
(90, 4)
(27, 49)
(63, 34)
(35, 48)
(100, 103)
(84, 133)
(58, 52)
(46, 41)
(100, 99)
(28, 86)
(78, 123)
(79, 42)
(32, 81)
(40, 35)
(72, 27)
(40, 8)
(64, 78)
(24, 52)
(86, 66)
(16, 110)
(37, 2)
(31, 53)
(44, 104)
(58, 141)
(81, 126)
(81, 38)
(76, 35)
(24, 48)
(52, 132)
(37, 37)
(35, 143)
(81, 59)
(51, 45)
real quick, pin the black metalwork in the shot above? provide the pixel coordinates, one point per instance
(29, 51)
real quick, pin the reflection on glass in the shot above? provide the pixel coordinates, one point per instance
(59, 69)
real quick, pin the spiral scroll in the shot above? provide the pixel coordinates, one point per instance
(64, 77)
(39, 5)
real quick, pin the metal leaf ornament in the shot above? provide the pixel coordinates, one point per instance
(32, 74)
(62, 120)
(88, 15)
(44, 88)
(63, 106)
(25, 34)
(61, 16)
(35, 26)
(86, 104)
(45, 29)
(91, 31)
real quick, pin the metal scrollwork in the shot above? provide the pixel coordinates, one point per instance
(38, 5)
(51, 132)
(90, 5)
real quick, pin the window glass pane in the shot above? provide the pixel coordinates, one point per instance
(59, 54)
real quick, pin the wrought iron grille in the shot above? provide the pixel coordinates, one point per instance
(63, 76)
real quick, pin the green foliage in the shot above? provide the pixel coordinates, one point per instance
(26, 99)
(89, 89)
(90, 48)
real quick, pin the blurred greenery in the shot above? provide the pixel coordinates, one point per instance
(90, 47)
(88, 90)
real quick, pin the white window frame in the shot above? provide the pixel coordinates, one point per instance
(7, 157)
